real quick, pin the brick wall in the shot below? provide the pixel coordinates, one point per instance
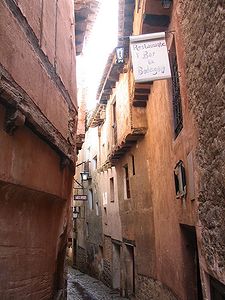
(203, 25)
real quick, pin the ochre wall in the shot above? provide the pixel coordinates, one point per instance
(35, 197)
(22, 57)
(153, 215)
(28, 161)
(30, 228)
(37, 76)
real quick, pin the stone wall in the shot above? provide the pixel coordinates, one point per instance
(150, 289)
(81, 259)
(203, 25)
(107, 260)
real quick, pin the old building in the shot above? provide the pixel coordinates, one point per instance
(152, 225)
(38, 120)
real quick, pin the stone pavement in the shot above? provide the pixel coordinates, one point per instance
(83, 287)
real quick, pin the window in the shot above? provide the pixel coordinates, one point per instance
(180, 180)
(90, 199)
(87, 229)
(94, 163)
(86, 166)
(133, 164)
(105, 215)
(114, 123)
(126, 182)
(112, 189)
(82, 212)
(97, 209)
(176, 97)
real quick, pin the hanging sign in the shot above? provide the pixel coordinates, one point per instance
(80, 197)
(150, 57)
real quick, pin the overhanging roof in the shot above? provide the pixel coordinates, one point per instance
(85, 15)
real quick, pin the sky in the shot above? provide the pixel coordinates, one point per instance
(102, 41)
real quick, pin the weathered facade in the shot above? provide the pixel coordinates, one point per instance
(160, 162)
(38, 119)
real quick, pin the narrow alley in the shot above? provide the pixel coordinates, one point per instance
(80, 286)
(112, 139)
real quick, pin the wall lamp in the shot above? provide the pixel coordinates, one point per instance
(119, 55)
(76, 211)
(84, 175)
(166, 3)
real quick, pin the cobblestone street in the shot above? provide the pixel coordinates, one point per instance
(84, 287)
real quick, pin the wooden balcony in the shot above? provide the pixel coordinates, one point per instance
(129, 140)
(97, 117)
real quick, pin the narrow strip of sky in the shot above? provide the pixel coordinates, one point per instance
(102, 41)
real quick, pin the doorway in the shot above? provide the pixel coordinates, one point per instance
(116, 266)
(191, 263)
(129, 271)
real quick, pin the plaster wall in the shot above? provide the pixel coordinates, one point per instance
(29, 242)
(152, 216)
(37, 63)
(34, 216)
(21, 53)
(122, 107)
(111, 220)
(89, 224)
(25, 160)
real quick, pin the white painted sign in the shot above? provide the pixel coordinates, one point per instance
(150, 57)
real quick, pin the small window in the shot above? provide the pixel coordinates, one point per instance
(94, 163)
(126, 182)
(105, 215)
(86, 166)
(81, 212)
(180, 180)
(90, 199)
(133, 164)
(101, 251)
(97, 209)
(112, 189)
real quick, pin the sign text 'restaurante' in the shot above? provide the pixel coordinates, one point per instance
(150, 59)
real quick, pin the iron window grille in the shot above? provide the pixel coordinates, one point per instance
(176, 96)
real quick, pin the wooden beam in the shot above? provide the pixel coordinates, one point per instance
(139, 103)
(156, 20)
(140, 97)
(144, 91)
